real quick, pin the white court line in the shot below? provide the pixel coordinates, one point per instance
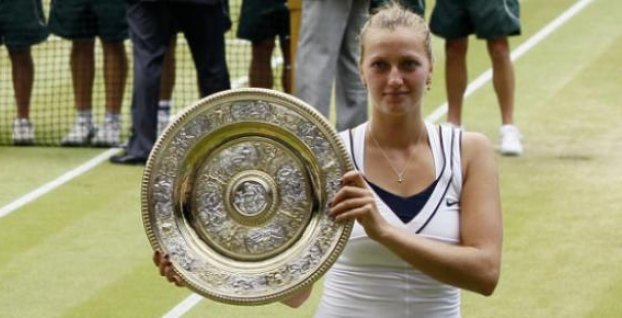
(193, 299)
(184, 306)
(37, 193)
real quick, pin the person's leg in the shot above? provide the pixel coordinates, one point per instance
(455, 77)
(350, 94)
(503, 82)
(22, 67)
(284, 43)
(115, 75)
(204, 28)
(83, 72)
(167, 81)
(22, 24)
(502, 77)
(283, 25)
(321, 33)
(82, 63)
(150, 30)
(260, 73)
(167, 84)
(452, 20)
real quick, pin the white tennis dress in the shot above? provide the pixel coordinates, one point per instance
(368, 280)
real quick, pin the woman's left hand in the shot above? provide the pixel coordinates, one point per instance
(355, 201)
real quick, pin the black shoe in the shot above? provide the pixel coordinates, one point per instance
(127, 159)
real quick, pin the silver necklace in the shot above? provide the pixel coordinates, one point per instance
(399, 174)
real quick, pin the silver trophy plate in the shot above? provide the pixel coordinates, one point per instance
(236, 192)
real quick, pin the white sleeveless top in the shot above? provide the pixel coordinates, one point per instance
(370, 281)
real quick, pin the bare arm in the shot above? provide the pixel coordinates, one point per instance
(474, 264)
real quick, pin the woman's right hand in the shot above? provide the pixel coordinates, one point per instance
(355, 201)
(166, 268)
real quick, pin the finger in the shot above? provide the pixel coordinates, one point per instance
(156, 258)
(352, 214)
(349, 204)
(353, 177)
(179, 282)
(348, 192)
(170, 274)
(164, 266)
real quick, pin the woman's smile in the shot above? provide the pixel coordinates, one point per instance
(395, 96)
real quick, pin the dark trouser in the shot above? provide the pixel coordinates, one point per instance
(151, 27)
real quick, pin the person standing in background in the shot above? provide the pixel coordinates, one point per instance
(81, 21)
(22, 25)
(152, 26)
(328, 54)
(261, 21)
(167, 85)
(494, 21)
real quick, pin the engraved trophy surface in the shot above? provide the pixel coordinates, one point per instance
(236, 192)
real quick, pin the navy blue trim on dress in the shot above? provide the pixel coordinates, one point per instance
(433, 185)
(405, 208)
(352, 150)
(451, 175)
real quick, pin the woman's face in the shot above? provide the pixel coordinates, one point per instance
(395, 68)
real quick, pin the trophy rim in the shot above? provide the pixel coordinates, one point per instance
(213, 101)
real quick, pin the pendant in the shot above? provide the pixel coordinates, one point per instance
(400, 180)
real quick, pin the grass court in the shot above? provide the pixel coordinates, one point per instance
(79, 249)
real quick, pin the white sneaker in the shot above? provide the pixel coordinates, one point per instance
(510, 141)
(108, 135)
(23, 132)
(81, 133)
(163, 121)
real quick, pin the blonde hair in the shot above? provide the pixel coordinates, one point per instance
(391, 16)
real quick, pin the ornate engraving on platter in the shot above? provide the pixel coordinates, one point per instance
(239, 212)
(235, 192)
(253, 110)
(251, 197)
